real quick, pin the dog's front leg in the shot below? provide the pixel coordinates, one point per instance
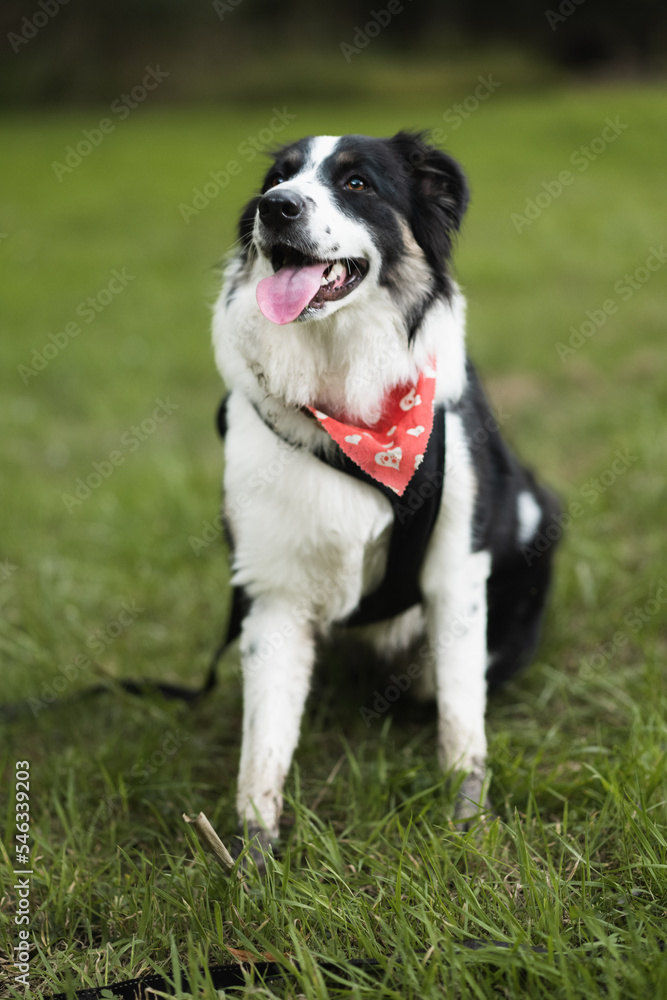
(277, 649)
(457, 633)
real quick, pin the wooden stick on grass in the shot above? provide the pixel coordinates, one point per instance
(209, 838)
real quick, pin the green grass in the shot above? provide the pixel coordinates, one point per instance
(576, 862)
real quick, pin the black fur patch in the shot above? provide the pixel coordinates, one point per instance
(438, 198)
(246, 226)
(412, 180)
(517, 587)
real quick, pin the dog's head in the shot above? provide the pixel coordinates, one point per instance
(341, 216)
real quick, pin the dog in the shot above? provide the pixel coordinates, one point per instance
(366, 483)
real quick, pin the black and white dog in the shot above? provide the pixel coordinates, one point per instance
(366, 483)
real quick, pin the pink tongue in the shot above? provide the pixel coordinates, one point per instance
(285, 294)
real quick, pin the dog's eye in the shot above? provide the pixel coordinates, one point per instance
(274, 180)
(356, 184)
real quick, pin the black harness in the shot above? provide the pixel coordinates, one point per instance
(414, 518)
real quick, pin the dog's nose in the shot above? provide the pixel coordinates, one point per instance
(276, 210)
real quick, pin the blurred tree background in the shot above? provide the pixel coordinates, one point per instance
(74, 53)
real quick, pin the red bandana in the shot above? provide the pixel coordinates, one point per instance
(392, 450)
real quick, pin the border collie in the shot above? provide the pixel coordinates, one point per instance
(366, 483)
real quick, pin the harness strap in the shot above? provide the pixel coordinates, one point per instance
(414, 513)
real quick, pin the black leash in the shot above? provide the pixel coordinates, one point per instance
(173, 692)
(226, 976)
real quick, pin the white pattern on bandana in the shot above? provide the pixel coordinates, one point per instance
(389, 450)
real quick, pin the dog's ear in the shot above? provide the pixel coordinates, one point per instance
(246, 226)
(438, 194)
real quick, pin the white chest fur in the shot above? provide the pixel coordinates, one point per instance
(301, 529)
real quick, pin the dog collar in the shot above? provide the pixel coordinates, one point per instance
(391, 450)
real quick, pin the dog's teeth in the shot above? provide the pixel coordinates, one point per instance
(334, 272)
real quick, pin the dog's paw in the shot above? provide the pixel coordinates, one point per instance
(472, 801)
(258, 844)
